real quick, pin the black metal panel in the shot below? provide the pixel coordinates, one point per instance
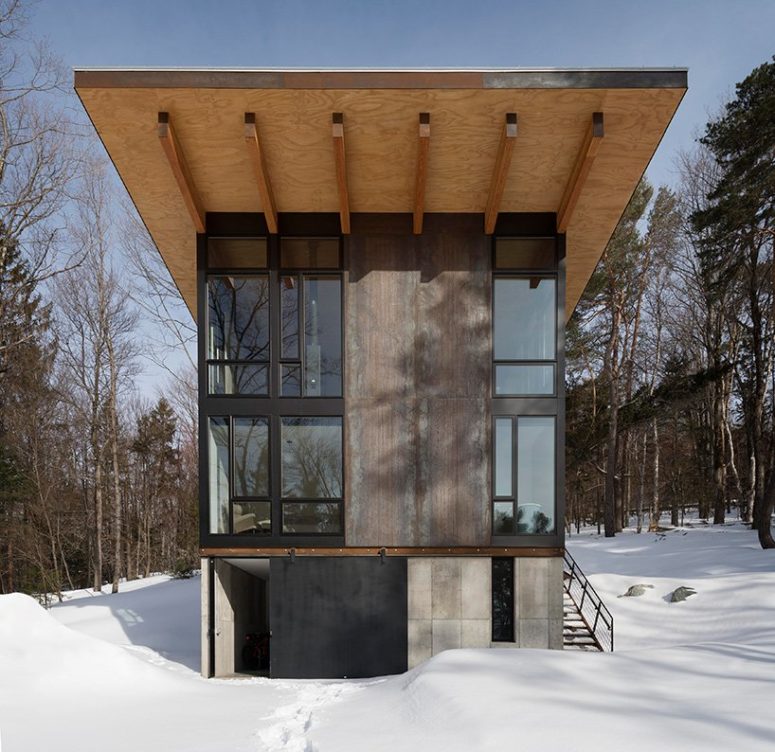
(633, 78)
(537, 224)
(213, 78)
(338, 617)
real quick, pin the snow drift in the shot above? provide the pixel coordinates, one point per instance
(698, 675)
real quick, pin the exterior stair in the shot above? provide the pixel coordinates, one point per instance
(587, 623)
(576, 634)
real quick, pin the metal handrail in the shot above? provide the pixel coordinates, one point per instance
(593, 611)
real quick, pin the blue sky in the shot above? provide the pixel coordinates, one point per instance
(720, 42)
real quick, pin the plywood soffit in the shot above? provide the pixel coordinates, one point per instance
(296, 156)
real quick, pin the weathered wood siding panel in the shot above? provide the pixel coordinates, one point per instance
(418, 382)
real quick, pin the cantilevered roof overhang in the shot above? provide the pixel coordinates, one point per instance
(188, 142)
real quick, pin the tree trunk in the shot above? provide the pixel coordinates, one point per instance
(98, 527)
(113, 366)
(609, 506)
(641, 484)
(766, 508)
(655, 510)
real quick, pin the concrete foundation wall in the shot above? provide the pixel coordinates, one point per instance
(205, 668)
(450, 605)
(537, 603)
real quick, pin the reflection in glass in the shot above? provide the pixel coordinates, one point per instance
(525, 319)
(536, 482)
(218, 466)
(238, 318)
(503, 457)
(312, 458)
(503, 518)
(289, 305)
(291, 381)
(226, 378)
(524, 379)
(251, 457)
(252, 517)
(309, 253)
(322, 337)
(312, 517)
(502, 600)
(525, 253)
(236, 253)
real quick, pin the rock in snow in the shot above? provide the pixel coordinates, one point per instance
(680, 594)
(635, 590)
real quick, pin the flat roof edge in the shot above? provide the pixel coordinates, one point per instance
(538, 78)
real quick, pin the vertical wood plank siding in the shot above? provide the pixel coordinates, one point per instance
(418, 361)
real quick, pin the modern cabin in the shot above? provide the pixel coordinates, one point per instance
(381, 265)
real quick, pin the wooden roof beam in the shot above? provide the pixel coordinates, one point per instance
(500, 173)
(180, 170)
(424, 143)
(337, 120)
(589, 148)
(258, 162)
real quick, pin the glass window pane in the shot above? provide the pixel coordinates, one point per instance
(503, 457)
(535, 474)
(503, 600)
(524, 379)
(291, 381)
(251, 457)
(525, 253)
(322, 337)
(236, 253)
(218, 472)
(252, 517)
(238, 318)
(503, 518)
(314, 517)
(289, 305)
(312, 458)
(309, 253)
(524, 319)
(238, 379)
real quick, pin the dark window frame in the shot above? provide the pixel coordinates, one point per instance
(301, 275)
(213, 273)
(500, 274)
(514, 497)
(271, 406)
(514, 406)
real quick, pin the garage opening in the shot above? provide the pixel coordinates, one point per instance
(241, 624)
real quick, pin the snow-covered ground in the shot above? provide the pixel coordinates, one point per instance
(118, 672)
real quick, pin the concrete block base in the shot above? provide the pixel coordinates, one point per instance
(450, 604)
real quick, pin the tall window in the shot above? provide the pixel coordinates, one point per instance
(311, 336)
(503, 600)
(312, 475)
(525, 449)
(274, 333)
(239, 455)
(524, 318)
(525, 310)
